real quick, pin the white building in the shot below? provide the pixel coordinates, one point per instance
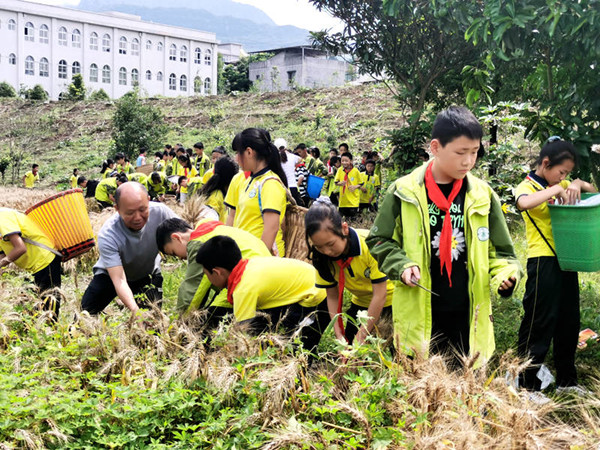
(47, 45)
(231, 52)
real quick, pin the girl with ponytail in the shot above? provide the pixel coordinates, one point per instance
(215, 189)
(107, 168)
(258, 203)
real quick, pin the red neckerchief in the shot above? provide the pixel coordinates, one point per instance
(300, 164)
(443, 203)
(247, 174)
(345, 179)
(343, 264)
(205, 228)
(235, 277)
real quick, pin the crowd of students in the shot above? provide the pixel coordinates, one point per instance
(438, 245)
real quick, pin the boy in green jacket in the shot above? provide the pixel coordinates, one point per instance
(443, 229)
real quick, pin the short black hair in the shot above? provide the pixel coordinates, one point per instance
(454, 122)
(158, 154)
(300, 147)
(333, 160)
(335, 150)
(33, 166)
(119, 156)
(155, 177)
(343, 144)
(167, 228)
(180, 179)
(168, 146)
(173, 153)
(315, 152)
(347, 155)
(199, 145)
(143, 150)
(369, 161)
(122, 177)
(219, 251)
(219, 149)
(80, 180)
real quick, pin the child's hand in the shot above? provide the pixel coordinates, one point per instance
(353, 188)
(409, 274)
(507, 285)
(562, 197)
(573, 193)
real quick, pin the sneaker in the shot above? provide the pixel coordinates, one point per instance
(536, 397)
(573, 390)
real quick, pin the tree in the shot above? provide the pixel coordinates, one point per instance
(137, 125)
(6, 90)
(220, 78)
(237, 76)
(76, 90)
(99, 95)
(37, 93)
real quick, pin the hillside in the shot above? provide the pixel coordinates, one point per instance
(63, 135)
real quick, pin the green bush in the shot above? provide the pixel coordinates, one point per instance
(6, 90)
(99, 95)
(76, 90)
(37, 93)
(137, 125)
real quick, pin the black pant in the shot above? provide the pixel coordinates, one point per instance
(348, 212)
(101, 292)
(450, 334)
(103, 205)
(296, 196)
(49, 278)
(351, 329)
(335, 198)
(551, 313)
(371, 207)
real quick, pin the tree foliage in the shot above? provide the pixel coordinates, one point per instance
(136, 125)
(76, 90)
(36, 93)
(237, 76)
(6, 90)
(99, 95)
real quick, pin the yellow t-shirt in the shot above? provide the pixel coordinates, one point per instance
(73, 181)
(371, 183)
(189, 173)
(269, 282)
(348, 198)
(209, 173)
(243, 196)
(139, 177)
(106, 187)
(35, 258)
(362, 273)
(157, 188)
(215, 201)
(106, 173)
(536, 246)
(30, 179)
(125, 168)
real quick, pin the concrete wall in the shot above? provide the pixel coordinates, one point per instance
(147, 58)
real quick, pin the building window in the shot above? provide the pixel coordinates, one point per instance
(159, 47)
(183, 54)
(62, 69)
(183, 83)
(173, 52)
(29, 65)
(76, 38)
(106, 43)
(44, 68)
(159, 76)
(123, 45)
(207, 86)
(12, 59)
(198, 85)
(123, 76)
(135, 77)
(29, 32)
(198, 56)
(172, 82)
(148, 45)
(291, 76)
(207, 58)
(135, 47)
(148, 75)
(94, 41)
(106, 74)
(75, 68)
(93, 73)
(44, 34)
(62, 36)
(12, 25)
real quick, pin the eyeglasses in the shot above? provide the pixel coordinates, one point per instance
(554, 139)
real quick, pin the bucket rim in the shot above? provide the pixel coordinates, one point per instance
(53, 197)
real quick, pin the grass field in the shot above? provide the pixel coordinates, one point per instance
(110, 382)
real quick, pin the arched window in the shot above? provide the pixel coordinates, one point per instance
(106, 43)
(123, 76)
(29, 32)
(93, 73)
(75, 68)
(148, 44)
(198, 85)
(159, 46)
(135, 47)
(62, 69)
(148, 75)
(76, 38)
(135, 77)
(207, 57)
(183, 83)
(94, 41)
(106, 74)
(159, 76)
(62, 36)
(198, 56)
(29, 65)
(207, 86)
(123, 45)
(12, 59)
(172, 82)
(44, 32)
(183, 54)
(44, 68)
(12, 25)
(173, 52)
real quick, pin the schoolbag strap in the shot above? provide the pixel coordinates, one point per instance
(541, 234)
(40, 245)
(288, 195)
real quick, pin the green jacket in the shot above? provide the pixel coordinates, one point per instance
(491, 258)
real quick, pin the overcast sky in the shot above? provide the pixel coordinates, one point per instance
(283, 12)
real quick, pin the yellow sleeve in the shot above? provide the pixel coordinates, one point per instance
(524, 188)
(375, 275)
(231, 199)
(321, 282)
(273, 197)
(339, 175)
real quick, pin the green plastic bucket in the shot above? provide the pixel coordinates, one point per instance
(576, 231)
